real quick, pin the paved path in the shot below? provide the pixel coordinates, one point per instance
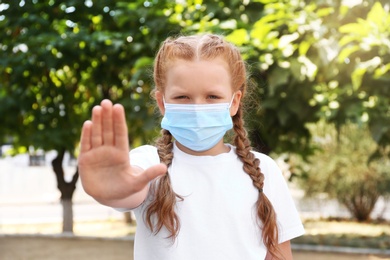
(64, 248)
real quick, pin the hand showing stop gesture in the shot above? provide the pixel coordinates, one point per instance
(104, 163)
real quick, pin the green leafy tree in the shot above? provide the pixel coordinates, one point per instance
(311, 60)
(365, 50)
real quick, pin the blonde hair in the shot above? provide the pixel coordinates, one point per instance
(206, 47)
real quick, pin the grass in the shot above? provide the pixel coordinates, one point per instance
(346, 233)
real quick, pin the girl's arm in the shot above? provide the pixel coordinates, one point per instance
(284, 249)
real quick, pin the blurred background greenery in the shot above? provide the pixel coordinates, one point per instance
(319, 73)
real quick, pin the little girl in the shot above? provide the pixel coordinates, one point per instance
(194, 196)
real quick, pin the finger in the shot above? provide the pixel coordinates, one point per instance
(107, 128)
(120, 127)
(96, 136)
(85, 139)
(152, 173)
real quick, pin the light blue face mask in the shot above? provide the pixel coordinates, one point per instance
(198, 127)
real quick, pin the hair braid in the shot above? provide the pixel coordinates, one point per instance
(164, 198)
(251, 166)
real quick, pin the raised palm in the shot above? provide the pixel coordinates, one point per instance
(104, 163)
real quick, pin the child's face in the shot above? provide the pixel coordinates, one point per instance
(198, 82)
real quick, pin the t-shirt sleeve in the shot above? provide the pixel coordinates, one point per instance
(144, 156)
(277, 191)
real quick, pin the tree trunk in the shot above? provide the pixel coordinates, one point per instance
(67, 216)
(67, 189)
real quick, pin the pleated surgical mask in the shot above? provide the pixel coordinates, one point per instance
(199, 127)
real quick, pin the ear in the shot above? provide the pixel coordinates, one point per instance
(160, 101)
(235, 103)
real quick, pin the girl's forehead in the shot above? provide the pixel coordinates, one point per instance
(212, 68)
(198, 74)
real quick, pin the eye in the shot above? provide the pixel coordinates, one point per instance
(213, 97)
(181, 97)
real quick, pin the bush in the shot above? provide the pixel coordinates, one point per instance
(343, 168)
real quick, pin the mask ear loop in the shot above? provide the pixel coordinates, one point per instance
(231, 101)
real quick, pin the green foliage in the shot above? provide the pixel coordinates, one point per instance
(365, 46)
(281, 62)
(307, 60)
(342, 169)
(60, 58)
(305, 70)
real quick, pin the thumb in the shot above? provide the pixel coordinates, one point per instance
(154, 171)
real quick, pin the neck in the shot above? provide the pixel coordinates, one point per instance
(219, 148)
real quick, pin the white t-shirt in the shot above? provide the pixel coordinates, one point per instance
(217, 215)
